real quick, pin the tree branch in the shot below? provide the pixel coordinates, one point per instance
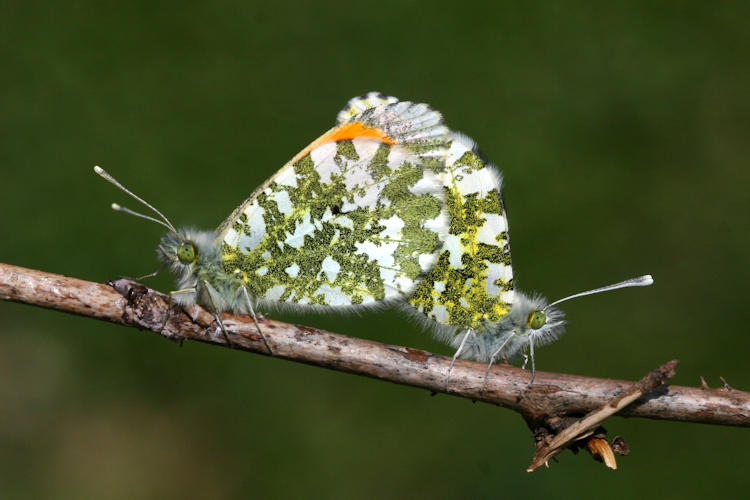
(552, 396)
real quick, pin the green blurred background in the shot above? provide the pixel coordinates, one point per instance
(622, 132)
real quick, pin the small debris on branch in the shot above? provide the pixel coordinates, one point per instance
(580, 429)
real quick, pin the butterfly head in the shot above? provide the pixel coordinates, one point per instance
(530, 319)
(190, 254)
(545, 323)
(186, 252)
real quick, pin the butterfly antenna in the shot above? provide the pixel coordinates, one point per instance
(103, 173)
(639, 281)
(126, 210)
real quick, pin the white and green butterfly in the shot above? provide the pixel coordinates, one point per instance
(468, 298)
(353, 220)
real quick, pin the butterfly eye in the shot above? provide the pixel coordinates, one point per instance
(186, 253)
(536, 320)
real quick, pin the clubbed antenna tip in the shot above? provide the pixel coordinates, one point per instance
(117, 208)
(644, 280)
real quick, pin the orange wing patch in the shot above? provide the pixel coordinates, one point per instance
(347, 131)
(356, 130)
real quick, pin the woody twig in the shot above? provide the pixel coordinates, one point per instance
(583, 428)
(552, 394)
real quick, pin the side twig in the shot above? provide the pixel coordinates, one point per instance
(552, 394)
(579, 428)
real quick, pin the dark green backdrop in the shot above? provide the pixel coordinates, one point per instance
(622, 132)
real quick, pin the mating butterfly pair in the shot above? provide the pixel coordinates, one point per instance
(389, 206)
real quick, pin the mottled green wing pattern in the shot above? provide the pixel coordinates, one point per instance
(350, 221)
(471, 285)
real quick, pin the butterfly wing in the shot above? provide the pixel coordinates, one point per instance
(353, 219)
(471, 285)
(358, 105)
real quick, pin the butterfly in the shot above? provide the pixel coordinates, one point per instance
(353, 220)
(468, 298)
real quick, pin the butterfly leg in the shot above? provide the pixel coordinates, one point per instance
(492, 360)
(531, 353)
(255, 319)
(455, 356)
(151, 275)
(169, 310)
(209, 295)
